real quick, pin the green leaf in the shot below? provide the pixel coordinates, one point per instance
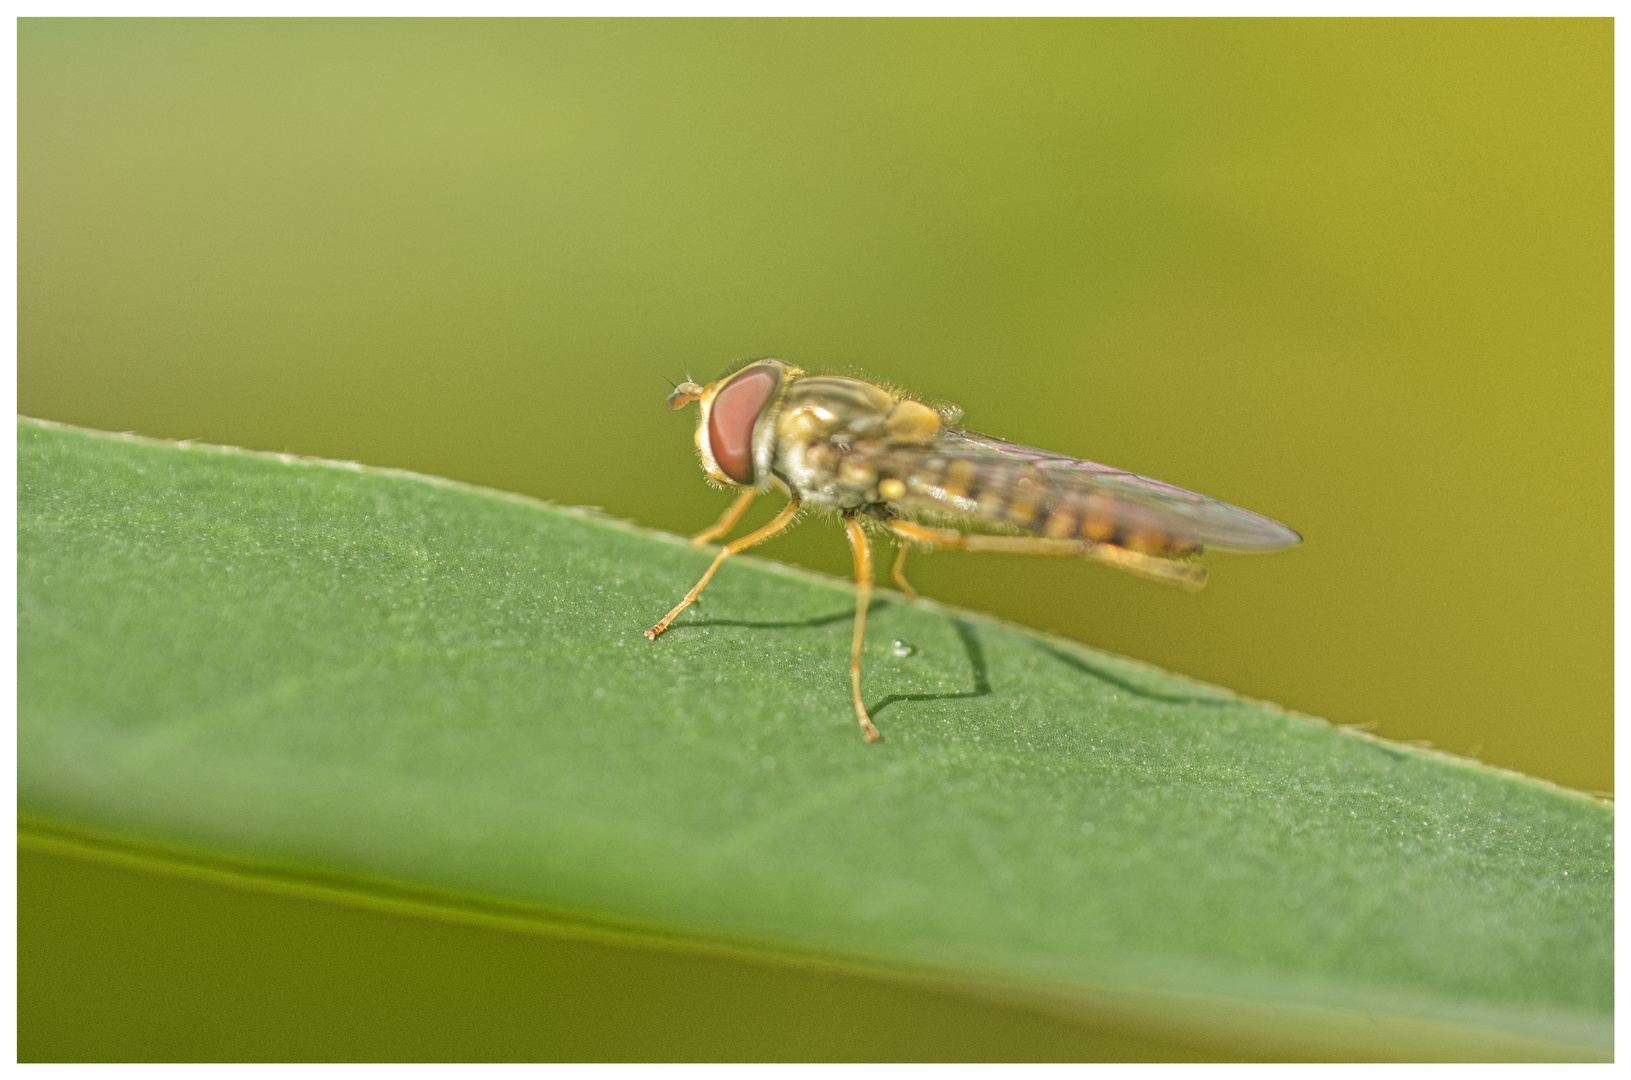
(390, 686)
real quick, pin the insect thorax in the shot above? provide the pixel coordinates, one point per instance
(825, 430)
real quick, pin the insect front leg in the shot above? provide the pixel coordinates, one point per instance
(727, 520)
(861, 547)
(1187, 575)
(776, 525)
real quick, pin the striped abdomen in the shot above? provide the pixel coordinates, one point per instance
(1023, 496)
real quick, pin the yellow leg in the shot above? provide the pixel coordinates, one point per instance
(776, 525)
(862, 549)
(899, 572)
(1188, 575)
(727, 520)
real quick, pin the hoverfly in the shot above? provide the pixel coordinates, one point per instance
(894, 463)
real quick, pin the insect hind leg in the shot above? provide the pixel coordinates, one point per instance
(1184, 574)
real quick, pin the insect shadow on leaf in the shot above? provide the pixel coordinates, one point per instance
(777, 624)
(1104, 673)
(966, 636)
(977, 668)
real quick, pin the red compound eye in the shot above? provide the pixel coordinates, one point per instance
(731, 419)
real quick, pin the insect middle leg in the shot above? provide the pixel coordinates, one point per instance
(759, 536)
(733, 514)
(861, 547)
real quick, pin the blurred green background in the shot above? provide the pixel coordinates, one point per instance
(1353, 275)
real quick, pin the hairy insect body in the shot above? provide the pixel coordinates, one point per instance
(849, 446)
(871, 455)
(833, 435)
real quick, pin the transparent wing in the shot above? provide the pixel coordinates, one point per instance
(967, 474)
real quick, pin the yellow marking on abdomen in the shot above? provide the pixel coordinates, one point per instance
(1022, 512)
(1098, 530)
(1098, 519)
(1061, 523)
(958, 475)
(1148, 541)
(994, 494)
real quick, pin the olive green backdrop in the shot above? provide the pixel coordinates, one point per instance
(1353, 275)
